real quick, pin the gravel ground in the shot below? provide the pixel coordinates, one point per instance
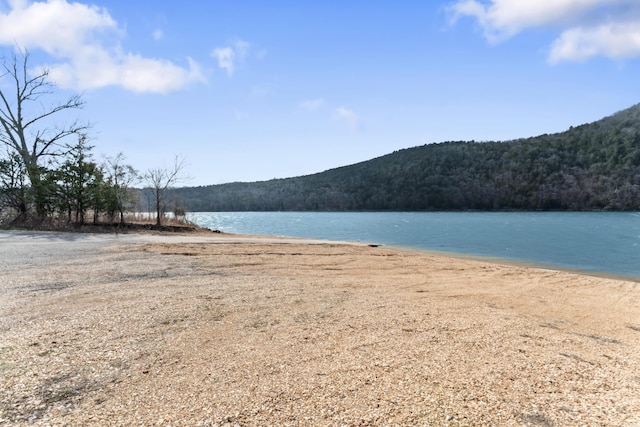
(137, 330)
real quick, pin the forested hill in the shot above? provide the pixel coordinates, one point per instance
(595, 166)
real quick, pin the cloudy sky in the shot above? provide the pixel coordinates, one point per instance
(254, 90)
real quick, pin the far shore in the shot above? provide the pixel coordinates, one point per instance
(222, 329)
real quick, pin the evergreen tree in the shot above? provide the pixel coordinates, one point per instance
(13, 184)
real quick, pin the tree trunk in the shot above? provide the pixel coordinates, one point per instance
(37, 190)
(158, 209)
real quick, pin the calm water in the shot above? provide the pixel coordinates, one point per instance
(602, 242)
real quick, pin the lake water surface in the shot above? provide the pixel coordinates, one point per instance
(607, 242)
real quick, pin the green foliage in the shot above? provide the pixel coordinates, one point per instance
(589, 167)
(78, 181)
(13, 184)
(67, 189)
(70, 184)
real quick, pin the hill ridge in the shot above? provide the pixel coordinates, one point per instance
(593, 166)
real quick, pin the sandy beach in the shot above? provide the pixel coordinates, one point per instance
(215, 330)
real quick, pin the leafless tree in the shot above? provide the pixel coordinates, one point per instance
(27, 124)
(120, 178)
(160, 181)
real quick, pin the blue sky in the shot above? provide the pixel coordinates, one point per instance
(254, 90)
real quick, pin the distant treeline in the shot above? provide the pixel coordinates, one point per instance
(590, 167)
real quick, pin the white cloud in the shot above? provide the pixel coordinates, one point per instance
(55, 26)
(86, 41)
(230, 57)
(344, 115)
(587, 27)
(132, 72)
(504, 18)
(157, 34)
(312, 104)
(241, 49)
(226, 58)
(612, 40)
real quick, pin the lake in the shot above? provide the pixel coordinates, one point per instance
(607, 242)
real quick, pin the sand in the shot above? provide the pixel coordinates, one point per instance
(254, 332)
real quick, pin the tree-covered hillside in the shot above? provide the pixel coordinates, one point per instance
(590, 167)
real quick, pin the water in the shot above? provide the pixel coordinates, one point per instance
(605, 242)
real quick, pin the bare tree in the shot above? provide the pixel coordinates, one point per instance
(120, 178)
(26, 123)
(160, 181)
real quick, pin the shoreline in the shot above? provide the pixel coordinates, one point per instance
(455, 255)
(543, 238)
(213, 234)
(253, 330)
(518, 263)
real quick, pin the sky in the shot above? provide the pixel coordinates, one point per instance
(255, 90)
